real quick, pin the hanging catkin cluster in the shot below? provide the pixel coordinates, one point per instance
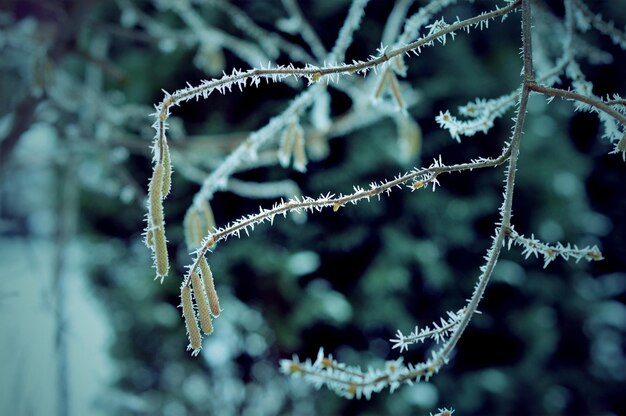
(199, 299)
(206, 304)
(198, 221)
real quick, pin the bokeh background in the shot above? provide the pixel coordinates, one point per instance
(87, 331)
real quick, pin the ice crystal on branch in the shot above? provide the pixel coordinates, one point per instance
(439, 332)
(481, 113)
(351, 381)
(535, 247)
(443, 412)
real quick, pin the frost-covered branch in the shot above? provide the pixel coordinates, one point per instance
(351, 381)
(419, 178)
(439, 332)
(533, 246)
(588, 102)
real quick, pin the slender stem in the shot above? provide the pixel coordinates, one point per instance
(189, 93)
(527, 54)
(505, 221)
(336, 202)
(570, 95)
(617, 102)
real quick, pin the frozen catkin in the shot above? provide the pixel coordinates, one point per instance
(409, 137)
(193, 331)
(155, 235)
(198, 223)
(292, 143)
(299, 150)
(388, 78)
(160, 253)
(395, 90)
(209, 286)
(193, 228)
(203, 304)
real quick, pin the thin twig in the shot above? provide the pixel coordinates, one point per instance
(505, 216)
(337, 202)
(570, 95)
